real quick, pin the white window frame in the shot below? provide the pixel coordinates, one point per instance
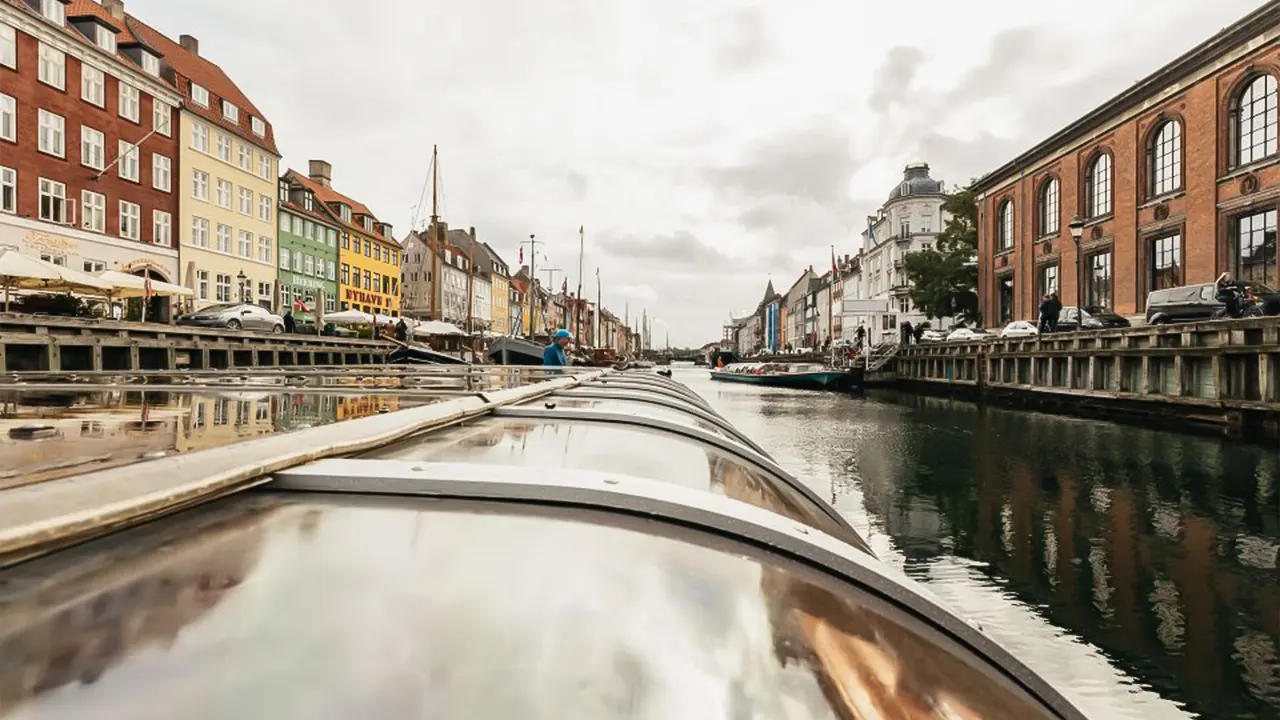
(264, 166)
(130, 220)
(199, 184)
(223, 193)
(285, 255)
(222, 241)
(199, 232)
(245, 156)
(53, 66)
(56, 190)
(265, 207)
(246, 202)
(224, 293)
(9, 182)
(54, 11)
(223, 147)
(200, 95)
(161, 118)
(56, 127)
(93, 148)
(161, 172)
(129, 167)
(245, 244)
(230, 112)
(8, 46)
(264, 249)
(130, 102)
(8, 118)
(161, 228)
(93, 85)
(93, 211)
(259, 126)
(202, 291)
(104, 38)
(200, 137)
(150, 64)
(93, 266)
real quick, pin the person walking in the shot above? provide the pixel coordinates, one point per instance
(1055, 311)
(553, 355)
(1045, 307)
(289, 323)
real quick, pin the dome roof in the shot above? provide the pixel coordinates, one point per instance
(916, 181)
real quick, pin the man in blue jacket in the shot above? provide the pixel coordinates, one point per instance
(554, 355)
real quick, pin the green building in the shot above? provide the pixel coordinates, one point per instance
(308, 252)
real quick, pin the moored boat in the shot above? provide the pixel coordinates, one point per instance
(800, 376)
(514, 351)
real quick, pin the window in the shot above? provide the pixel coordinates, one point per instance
(53, 201)
(1004, 298)
(1098, 281)
(259, 127)
(1004, 226)
(308, 230)
(93, 211)
(200, 137)
(308, 265)
(1097, 183)
(54, 11)
(129, 220)
(52, 134)
(346, 240)
(246, 244)
(94, 266)
(224, 289)
(59, 260)
(199, 95)
(368, 280)
(1050, 208)
(904, 228)
(297, 262)
(199, 232)
(346, 274)
(202, 287)
(285, 258)
(224, 147)
(246, 201)
(129, 102)
(93, 85)
(224, 238)
(368, 249)
(200, 185)
(224, 194)
(8, 190)
(1254, 249)
(264, 166)
(161, 118)
(104, 38)
(330, 305)
(150, 64)
(8, 46)
(92, 153)
(1048, 280)
(1165, 262)
(1255, 121)
(53, 67)
(284, 223)
(264, 249)
(161, 228)
(1166, 159)
(246, 157)
(128, 167)
(331, 269)
(344, 212)
(8, 118)
(264, 208)
(264, 299)
(230, 112)
(161, 172)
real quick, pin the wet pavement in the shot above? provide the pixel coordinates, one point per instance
(1135, 568)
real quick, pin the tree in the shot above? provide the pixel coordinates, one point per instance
(944, 279)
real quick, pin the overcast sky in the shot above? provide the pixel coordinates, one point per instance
(706, 146)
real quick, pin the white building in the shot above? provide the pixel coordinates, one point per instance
(875, 287)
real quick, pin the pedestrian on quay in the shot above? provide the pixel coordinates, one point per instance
(1045, 306)
(553, 355)
(907, 333)
(1055, 311)
(402, 331)
(289, 323)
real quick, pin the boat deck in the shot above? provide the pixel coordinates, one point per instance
(593, 544)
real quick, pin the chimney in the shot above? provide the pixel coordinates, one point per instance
(190, 44)
(115, 8)
(321, 172)
(472, 232)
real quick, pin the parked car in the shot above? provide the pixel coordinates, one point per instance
(967, 335)
(1095, 318)
(1190, 303)
(235, 316)
(1019, 328)
(933, 336)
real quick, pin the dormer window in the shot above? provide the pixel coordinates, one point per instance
(102, 36)
(284, 191)
(344, 212)
(54, 11)
(367, 222)
(230, 112)
(150, 64)
(199, 95)
(308, 201)
(259, 127)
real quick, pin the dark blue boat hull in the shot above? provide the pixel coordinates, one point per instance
(840, 380)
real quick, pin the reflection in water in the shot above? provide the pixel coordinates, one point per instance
(1158, 548)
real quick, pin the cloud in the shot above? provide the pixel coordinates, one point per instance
(894, 80)
(680, 249)
(748, 44)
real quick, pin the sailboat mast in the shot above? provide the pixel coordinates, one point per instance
(433, 234)
(533, 259)
(599, 308)
(577, 300)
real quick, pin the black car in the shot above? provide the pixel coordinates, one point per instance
(1190, 303)
(1095, 318)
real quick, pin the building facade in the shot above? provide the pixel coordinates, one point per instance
(499, 292)
(308, 251)
(88, 141)
(1176, 180)
(452, 289)
(368, 255)
(225, 180)
(416, 283)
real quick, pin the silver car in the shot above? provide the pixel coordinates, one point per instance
(235, 316)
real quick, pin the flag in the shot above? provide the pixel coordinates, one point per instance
(835, 269)
(521, 254)
(871, 231)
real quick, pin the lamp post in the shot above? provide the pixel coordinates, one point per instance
(244, 293)
(1077, 232)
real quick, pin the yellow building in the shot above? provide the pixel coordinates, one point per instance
(225, 179)
(499, 305)
(369, 257)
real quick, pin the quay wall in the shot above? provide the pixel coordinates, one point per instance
(1223, 373)
(33, 342)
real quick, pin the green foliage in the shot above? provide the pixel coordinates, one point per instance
(944, 279)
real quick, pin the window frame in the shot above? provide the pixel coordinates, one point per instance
(200, 95)
(1269, 272)
(8, 46)
(129, 165)
(1043, 215)
(156, 224)
(161, 118)
(1053, 267)
(130, 102)
(99, 206)
(94, 93)
(1237, 118)
(200, 184)
(135, 215)
(41, 116)
(1091, 193)
(86, 158)
(1091, 294)
(1004, 226)
(12, 113)
(161, 170)
(1149, 243)
(1159, 182)
(9, 179)
(42, 61)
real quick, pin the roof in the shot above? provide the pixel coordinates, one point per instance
(194, 68)
(1243, 30)
(321, 211)
(916, 181)
(769, 293)
(329, 195)
(87, 8)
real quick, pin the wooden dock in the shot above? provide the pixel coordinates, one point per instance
(40, 343)
(1224, 372)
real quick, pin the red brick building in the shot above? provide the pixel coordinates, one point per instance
(1177, 180)
(88, 141)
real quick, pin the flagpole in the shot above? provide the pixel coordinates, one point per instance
(599, 307)
(577, 300)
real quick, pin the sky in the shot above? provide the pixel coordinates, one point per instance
(705, 147)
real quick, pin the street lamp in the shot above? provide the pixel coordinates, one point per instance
(244, 294)
(1077, 232)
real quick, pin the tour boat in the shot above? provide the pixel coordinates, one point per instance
(590, 544)
(800, 376)
(510, 350)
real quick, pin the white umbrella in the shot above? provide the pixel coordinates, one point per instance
(349, 317)
(437, 327)
(23, 272)
(127, 285)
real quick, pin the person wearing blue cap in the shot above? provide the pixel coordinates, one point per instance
(554, 355)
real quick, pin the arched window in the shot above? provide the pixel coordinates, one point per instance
(1256, 120)
(1166, 159)
(1004, 226)
(1049, 211)
(1097, 183)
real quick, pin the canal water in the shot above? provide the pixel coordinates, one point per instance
(1135, 568)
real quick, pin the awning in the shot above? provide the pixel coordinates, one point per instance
(127, 285)
(437, 327)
